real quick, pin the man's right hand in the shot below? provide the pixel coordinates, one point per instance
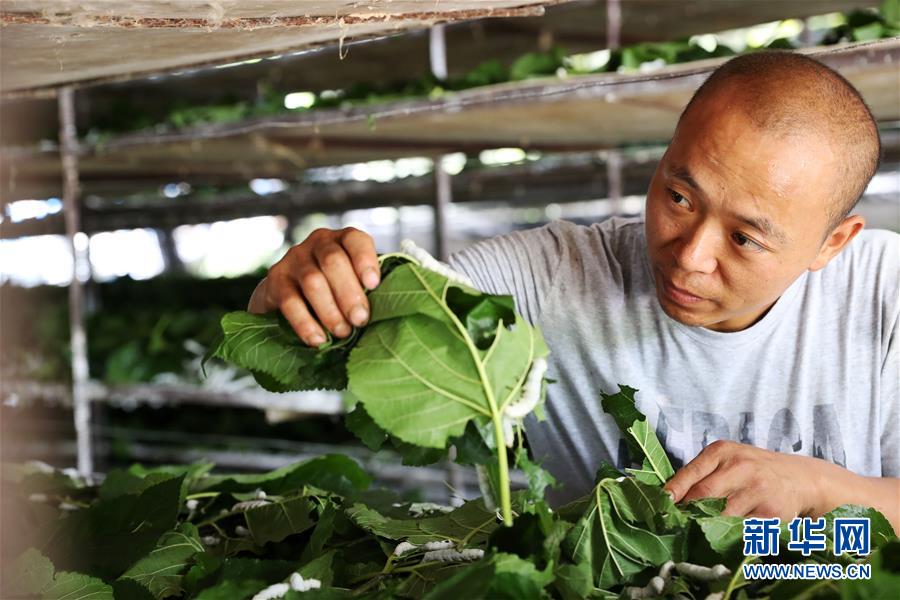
(323, 276)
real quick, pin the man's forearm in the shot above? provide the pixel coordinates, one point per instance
(837, 486)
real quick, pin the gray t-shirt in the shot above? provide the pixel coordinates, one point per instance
(817, 375)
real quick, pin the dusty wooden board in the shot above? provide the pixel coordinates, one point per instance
(46, 43)
(574, 26)
(586, 113)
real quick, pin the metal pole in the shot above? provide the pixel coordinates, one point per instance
(443, 197)
(613, 24)
(171, 260)
(68, 143)
(437, 52)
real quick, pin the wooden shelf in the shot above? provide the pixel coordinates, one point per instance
(317, 403)
(576, 114)
(50, 43)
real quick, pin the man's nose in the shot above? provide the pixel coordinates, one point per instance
(697, 249)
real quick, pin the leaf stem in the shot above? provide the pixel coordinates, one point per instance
(380, 574)
(202, 495)
(738, 574)
(217, 518)
(496, 417)
(505, 504)
(475, 530)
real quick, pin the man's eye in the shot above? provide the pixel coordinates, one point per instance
(744, 242)
(677, 198)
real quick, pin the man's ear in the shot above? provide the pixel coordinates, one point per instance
(837, 240)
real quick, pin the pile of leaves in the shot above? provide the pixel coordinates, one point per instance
(439, 364)
(183, 532)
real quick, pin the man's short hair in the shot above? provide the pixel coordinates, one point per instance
(792, 93)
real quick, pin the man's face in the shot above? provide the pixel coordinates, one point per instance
(734, 215)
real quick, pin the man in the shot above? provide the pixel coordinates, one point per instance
(757, 319)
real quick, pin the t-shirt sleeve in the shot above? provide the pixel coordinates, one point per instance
(522, 264)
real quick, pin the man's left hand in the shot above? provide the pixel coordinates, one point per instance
(756, 482)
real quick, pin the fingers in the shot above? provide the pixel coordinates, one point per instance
(361, 249)
(319, 282)
(346, 293)
(302, 322)
(317, 291)
(695, 471)
(742, 503)
(718, 484)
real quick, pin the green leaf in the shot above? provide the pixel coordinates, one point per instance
(606, 471)
(276, 521)
(76, 586)
(29, 574)
(320, 568)
(880, 528)
(867, 33)
(885, 580)
(486, 73)
(705, 507)
(536, 64)
(643, 445)
(724, 533)
(481, 314)
(239, 578)
(890, 12)
(205, 565)
(538, 479)
(267, 346)
(162, 570)
(334, 473)
(321, 534)
(471, 448)
(422, 378)
(641, 503)
(232, 589)
(574, 582)
(471, 583)
(119, 483)
(504, 576)
(525, 538)
(191, 471)
(515, 578)
(129, 589)
(417, 456)
(471, 521)
(361, 424)
(615, 549)
(110, 535)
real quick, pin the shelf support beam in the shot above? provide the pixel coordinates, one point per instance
(78, 241)
(613, 24)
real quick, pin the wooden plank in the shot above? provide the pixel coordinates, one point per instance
(49, 43)
(577, 26)
(315, 403)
